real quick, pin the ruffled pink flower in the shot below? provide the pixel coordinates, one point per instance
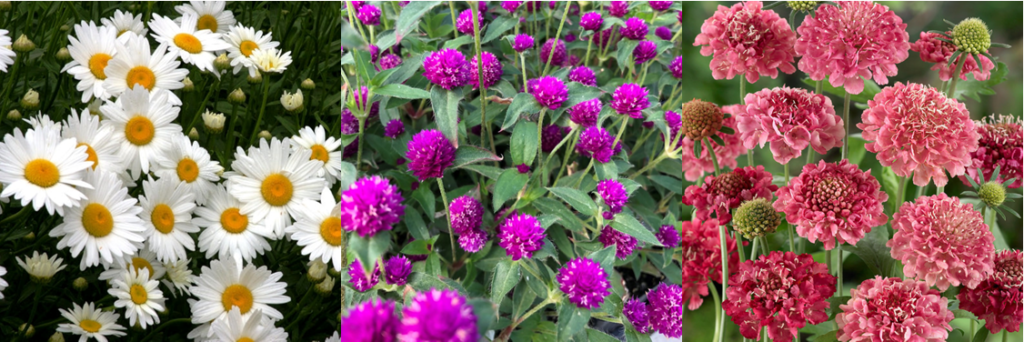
(915, 129)
(782, 291)
(942, 242)
(936, 51)
(718, 195)
(830, 201)
(859, 39)
(702, 259)
(997, 300)
(1001, 145)
(790, 119)
(893, 309)
(697, 167)
(746, 40)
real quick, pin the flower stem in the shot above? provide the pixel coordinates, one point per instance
(202, 106)
(554, 151)
(956, 76)
(714, 159)
(739, 245)
(444, 198)
(817, 86)
(590, 43)
(718, 312)
(568, 152)
(753, 250)
(585, 171)
(522, 62)
(649, 166)
(483, 88)
(540, 136)
(846, 122)
(451, 6)
(725, 269)
(373, 37)
(554, 45)
(359, 144)
(622, 128)
(839, 270)
(263, 107)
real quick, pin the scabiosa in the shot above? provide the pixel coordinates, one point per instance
(634, 29)
(783, 291)
(584, 283)
(668, 236)
(936, 51)
(659, 5)
(585, 113)
(1001, 145)
(591, 21)
(511, 6)
(446, 68)
(595, 142)
(942, 242)
(583, 75)
(521, 235)
(466, 214)
(491, 71)
(702, 259)
(636, 312)
(746, 40)
(894, 309)
(371, 321)
(369, 15)
(559, 55)
(624, 244)
(915, 129)
(371, 205)
(618, 9)
(644, 51)
(666, 309)
(614, 195)
(719, 194)
(550, 136)
(430, 153)
(361, 281)
(396, 270)
(697, 166)
(522, 42)
(438, 315)
(630, 99)
(997, 300)
(677, 67)
(465, 21)
(390, 61)
(394, 128)
(549, 91)
(700, 119)
(790, 119)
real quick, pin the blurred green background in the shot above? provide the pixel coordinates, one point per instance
(1003, 18)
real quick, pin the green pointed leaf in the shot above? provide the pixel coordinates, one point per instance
(409, 17)
(873, 251)
(468, 154)
(507, 186)
(981, 336)
(524, 143)
(446, 112)
(629, 225)
(972, 88)
(522, 103)
(402, 91)
(605, 257)
(577, 199)
(506, 276)
(498, 27)
(571, 320)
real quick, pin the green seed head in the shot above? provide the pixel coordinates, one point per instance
(802, 6)
(992, 193)
(972, 36)
(756, 218)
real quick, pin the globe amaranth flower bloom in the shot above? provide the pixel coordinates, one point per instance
(790, 119)
(473, 241)
(430, 153)
(700, 119)
(614, 195)
(584, 282)
(997, 300)
(659, 5)
(465, 21)
(746, 40)
(491, 71)
(591, 21)
(938, 52)
(371, 321)
(644, 51)
(634, 29)
(719, 194)
(390, 61)
(520, 236)
(371, 205)
(702, 259)
(942, 242)
(663, 32)
(583, 75)
(523, 168)
(636, 312)
(595, 142)
(361, 281)
(369, 15)
(559, 55)
(522, 42)
(349, 125)
(618, 9)
(668, 236)
(781, 291)
(894, 309)
(666, 309)
(394, 128)
(630, 99)
(859, 39)
(396, 270)
(585, 113)
(438, 315)
(550, 136)
(1001, 145)
(624, 244)
(549, 91)
(604, 37)
(466, 213)
(446, 68)
(915, 129)
(677, 67)
(511, 6)
(833, 201)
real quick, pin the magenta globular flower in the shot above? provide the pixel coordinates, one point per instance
(371, 321)
(894, 309)
(634, 29)
(491, 71)
(618, 9)
(591, 21)
(859, 39)
(584, 282)
(349, 125)
(644, 51)
(355, 4)
(790, 119)
(1001, 145)
(583, 75)
(697, 166)
(369, 15)
(666, 309)
(473, 241)
(559, 55)
(523, 168)
(430, 153)
(361, 281)
(668, 236)
(374, 53)
(746, 40)
(936, 51)
(702, 259)
(677, 67)
(465, 21)
(390, 61)
(585, 113)
(371, 205)
(720, 194)
(630, 99)
(659, 5)
(997, 300)
(550, 136)
(636, 312)
(614, 195)
(394, 128)
(438, 315)
(942, 242)
(915, 129)
(595, 142)
(522, 42)
(781, 291)
(466, 214)
(624, 244)
(361, 97)
(604, 37)
(521, 235)
(549, 91)
(833, 201)
(569, 38)
(396, 270)
(663, 32)
(511, 6)
(446, 68)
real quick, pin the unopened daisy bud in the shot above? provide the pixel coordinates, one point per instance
(80, 284)
(292, 102)
(332, 272)
(326, 287)
(700, 119)
(29, 237)
(41, 267)
(94, 107)
(756, 218)
(65, 28)
(193, 134)
(264, 134)
(317, 271)
(255, 79)
(56, 337)
(5, 6)
(23, 44)
(63, 55)
(31, 100)
(189, 86)
(971, 36)
(222, 62)
(214, 122)
(992, 194)
(237, 96)
(14, 114)
(308, 84)
(27, 330)
(802, 6)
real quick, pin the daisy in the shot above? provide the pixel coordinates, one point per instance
(267, 60)
(143, 125)
(211, 15)
(106, 225)
(91, 49)
(189, 165)
(243, 41)
(124, 22)
(322, 148)
(134, 65)
(43, 123)
(179, 277)
(334, 338)
(167, 213)
(195, 47)
(3, 284)
(97, 138)
(41, 268)
(256, 328)
(318, 229)
(226, 285)
(139, 295)
(89, 322)
(144, 259)
(42, 169)
(227, 231)
(273, 182)
(6, 54)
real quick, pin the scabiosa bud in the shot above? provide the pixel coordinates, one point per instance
(523, 168)
(397, 270)
(583, 75)
(997, 300)
(438, 315)
(668, 236)
(666, 309)
(511, 6)
(390, 61)
(663, 32)
(624, 244)
(636, 312)
(559, 55)
(719, 194)
(549, 91)
(585, 113)
(618, 9)
(802, 6)
(634, 29)
(521, 235)
(700, 119)
(790, 119)
(394, 128)
(591, 21)
(491, 70)
(612, 194)
(756, 218)
(1001, 145)
(972, 36)
(630, 99)
(595, 142)
(551, 135)
(446, 68)
(677, 67)
(430, 153)
(522, 42)
(584, 282)
(644, 51)
(466, 214)
(371, 205)
(894, 309)
(361, 281)
(935, 51)
(992, 194)
(369, 15)
(465, 21)
(731, 32)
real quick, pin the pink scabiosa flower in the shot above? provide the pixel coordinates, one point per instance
(936, 51)
(396, 270)
(942, 242)
(636, 312)
(666, 309)
(491, 71)
(390, 61)
(591, 21)
(624, 244)
(585, 113)
(894, 309)
(361, 281)
(446, 68)
(915, 129)
(371, 205)
(438, 315)
(781, 291)
(511, 6)
(466, 214)
(718, 195)
(584, 282)
(614, 195)
(369, 15)
(465, 21)
(702, 259)
(630, 99)
(644, 51)
(833, 201)
(668, 236)
(790, 119)
(595, 142)
(371, 321)
(550, 136)
(583, 75)
(394, 128)
(634, 29)
(677, 67)
(559, 55)
(430, 153)
(549, 91)
(659, 5)
(522, 42)
(618, 9)
(997, 300)
(1001, 145)
(521, 235)
(859, 39)
(663, 32)
(473, 241)
(746, 40)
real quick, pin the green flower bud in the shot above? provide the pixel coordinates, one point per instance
(972, 36)
(193, 134)
(189, 86)
(31, 100)
(256, 79)
(222, 63)
(992, 194)
(802, 6)
(80, 284)
(23, 44)
(307, 84)
(237, 96)
(756, 218)
(56, 337)
(27, 330)
(14, 114)
(264, 134)
(63, 55)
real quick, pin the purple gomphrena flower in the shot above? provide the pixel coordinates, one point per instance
(630, 99)
(523, 168)
(660, 5)
(361, 281)
(666, 309)
(355, 4)
(636, 311)
(349, 125)
(430, 153)
(614, 195)
(465, 21)
(374, 110)
(390, 61)
(585, 113)
(573, 61)
(663, 32)
(394, 129)
(491, 68)
(634, 28)
(669, 236)
(680, 17)
(583, 75)
(618, 9)
(371, 205)
(396, 270)
(595, 142)
(644, 51)
(369, 15)
(533, 6)
(361, 97)
(648, 124)
(522, 43)
(549, 91)
(624, 244)
(677, 67)
(438, 315)
(371, 321)
(473, 241)
(569, 38)
(591, 21)
(675, 124)
(558, 57)
(584, 283)
(374, 53)
(550, 136)
(466, 214)
(521, 235)
(446, 68)
(511, 6)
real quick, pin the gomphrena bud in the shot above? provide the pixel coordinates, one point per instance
(188, 85)
(23, 44)
(700, 119)
(756, 218)
(264, 134)
(802, 6)
(80, 284)
(63, 55)
(193, 134)
(992, 194)
(14, 114)
(972, 36)
(308, 84)
(256, 79)
(237, 96)
(222, 63)
(31, 100)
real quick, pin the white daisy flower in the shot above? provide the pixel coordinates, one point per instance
(43, 123)
(194, 47)
(91, 49)
(97, 138)
(139, 295)
(274, 181)
(134, 65)
(226, 284)
(318, 229)
(179, 277)
(211, 15)
(227, 231)
(143, 125)
(106, 225)
(40, 168)
(189, 164)
(144, 259)
(243, 41)
(89, 322)
(256, 328)
(3, 284)
(267, 60)
(125, 22)
(323, 148)
(40, 267)
(167, 213)
(6, 54)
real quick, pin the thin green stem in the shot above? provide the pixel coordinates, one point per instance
(547, 63)
(622, 128)
(817, 86)
(839, 270)
(451, 6)
(956, 75)
(718, 312)
(359, 147)
(540, 136)
(753, 250)
(739, 245)
(568, 152)
(481, 85)
(444, 198)
(554, 151)
(263, 107)
(373, 37)
(649, 166)
(725, 267)
(590, 43)
(531, 312)
(584, 174)
(202, 106)
(846, 122)
(714, 159)
(522, 62)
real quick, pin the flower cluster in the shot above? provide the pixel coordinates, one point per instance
(747, 40)
(790, 120)
(720, 194)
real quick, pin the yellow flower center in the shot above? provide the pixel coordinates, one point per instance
(139, 130)
(140, 263)
(330, 230)
(233, 221)
(97, 220)
(90, 325)
(245, 339)
(139, 294)
(97, 63)
(247, 46)
(91, 155)
(188, 170)
(276, 189)
(141, 75)
(119, 33)
(319, 153)
(207, 22)
(188, 43)
(163, 218)
(43, 173)
(237, 295)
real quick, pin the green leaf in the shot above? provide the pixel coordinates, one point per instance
(961, 313)
(873, 251)
(890, 183)
(485, 314)
(487, 171)
(605, 257)
(468, 154)
(348, 174)
(497, 27)
(524, 143)
(577, 199)
(869, 92)
(981, 336)
(414, 224)
(522, 103)
(418, 247)
(606, 171)
(625, 49)
(566, 218)
(507, 186)
(446, 112)
(434, 264)
(369, 250)
(410, 16)
(522, 300)
(402, 91)
(571, 320)
(425, 197)
(629, 225)
(972, 87)
(457, 42)
(597, 336)
(506, 276)
(669, 183)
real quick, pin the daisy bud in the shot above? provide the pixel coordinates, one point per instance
(29, 237)
(23, 44)
(222, 62)
(31, 100)
(802, 6)
(63, 55)
(292, 102)
(193, 134)
(256, 79)
(56, 337)
(334, 273)
(65, 28)
(237, 96)
(214, 122)
(264, 134)
(5, 6)
(992, 194)
(971, 36)
(326, 287)
(14, 114)
(27, 330)
(80, 284)
(307, 84)
(317, 271)
(189, 86)
(756, 218)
